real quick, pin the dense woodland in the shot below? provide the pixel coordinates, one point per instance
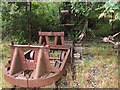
(21, 21)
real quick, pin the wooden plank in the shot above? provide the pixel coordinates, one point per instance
(59, 47)
(54, 58)
(40, 40)
(55, 41)
(62, 40)
(47, 40)
(34, 46)
(51, 33)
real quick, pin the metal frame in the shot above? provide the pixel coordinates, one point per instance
(36, 72)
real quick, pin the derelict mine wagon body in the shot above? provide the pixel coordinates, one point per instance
(34, 65)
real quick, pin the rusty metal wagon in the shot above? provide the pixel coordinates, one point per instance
(34, 65)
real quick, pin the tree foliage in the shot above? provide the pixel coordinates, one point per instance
(21, 24)
(21, 21)
(98, 15)
(110, 8)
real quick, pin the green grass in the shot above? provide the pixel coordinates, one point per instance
(105, 61)
(5, 50)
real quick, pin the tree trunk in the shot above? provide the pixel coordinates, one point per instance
(26, 16)
(30, 25)
(86, 19)
(26, 6)
(112, 19)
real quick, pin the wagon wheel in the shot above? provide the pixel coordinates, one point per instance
(57, 64)
(72, 54)
(62, 56)
(65, 73)
(32, 55)
(61, 59)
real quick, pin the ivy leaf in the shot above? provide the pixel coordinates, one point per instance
(116, 7)
(112, 3)
(90, 9)
(110, 20)
(118, 16)
(86, 14)
(107, 4)
(101, 15)
(112, 11)
(76, 10)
